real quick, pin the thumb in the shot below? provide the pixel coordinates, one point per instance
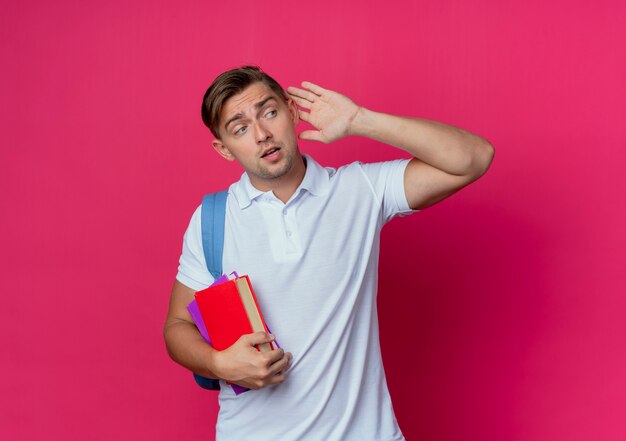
(257, 338)
(312, 135)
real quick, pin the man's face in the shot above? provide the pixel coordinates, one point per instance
(257, 129)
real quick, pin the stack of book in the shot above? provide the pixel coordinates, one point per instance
(227, 310)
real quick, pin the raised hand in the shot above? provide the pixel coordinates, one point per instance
(329, 112)
(242, 364)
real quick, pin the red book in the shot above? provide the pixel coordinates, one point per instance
(230, 310)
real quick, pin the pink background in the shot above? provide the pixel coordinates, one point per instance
(502, 309)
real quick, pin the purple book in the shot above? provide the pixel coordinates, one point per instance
(195, 311)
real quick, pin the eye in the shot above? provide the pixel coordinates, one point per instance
(240, 130)
(271, 113)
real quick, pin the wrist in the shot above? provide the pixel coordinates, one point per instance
(360, 123)
(205, 361)
(215, 363)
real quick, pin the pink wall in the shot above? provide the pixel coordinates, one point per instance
(502, 309)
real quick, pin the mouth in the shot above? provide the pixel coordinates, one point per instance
(270, 151)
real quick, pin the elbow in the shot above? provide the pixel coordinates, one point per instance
(489, 153)
(168, 339)
(482, 159)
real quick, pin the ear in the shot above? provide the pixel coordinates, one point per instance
(293, 110)
(222, 150)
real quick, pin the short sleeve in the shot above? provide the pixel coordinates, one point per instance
(192, 269)
(387, 181)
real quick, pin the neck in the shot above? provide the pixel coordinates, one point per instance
(285, 186)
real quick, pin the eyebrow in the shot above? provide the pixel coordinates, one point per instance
(257, 106)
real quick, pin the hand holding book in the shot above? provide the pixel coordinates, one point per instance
(243, 365)
(228, 317)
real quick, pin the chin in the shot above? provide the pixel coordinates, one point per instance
(284, 168)
(267, 174)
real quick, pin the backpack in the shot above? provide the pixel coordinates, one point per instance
(212, 219)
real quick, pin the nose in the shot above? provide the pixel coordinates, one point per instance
(261, 132)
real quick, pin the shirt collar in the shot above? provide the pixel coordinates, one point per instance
(315, 181)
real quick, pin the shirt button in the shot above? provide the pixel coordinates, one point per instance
(285, 212)
(288, 233)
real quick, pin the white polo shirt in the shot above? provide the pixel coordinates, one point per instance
(313, 263)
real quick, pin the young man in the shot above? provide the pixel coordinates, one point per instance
(308, 236)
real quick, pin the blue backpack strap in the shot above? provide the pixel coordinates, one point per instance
(212, 218)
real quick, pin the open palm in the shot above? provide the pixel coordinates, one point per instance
(329, 112)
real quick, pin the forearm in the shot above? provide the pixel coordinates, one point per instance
(187, 347)
(447, 148)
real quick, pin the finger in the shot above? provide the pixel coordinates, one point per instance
(257, 338)
(300, 93)
(317, 90)
(281, 374)
(279, 366)
(271, 357)
(304, 116)
(312, 135)
(288, 359)
(302, 102)
(276, 379)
